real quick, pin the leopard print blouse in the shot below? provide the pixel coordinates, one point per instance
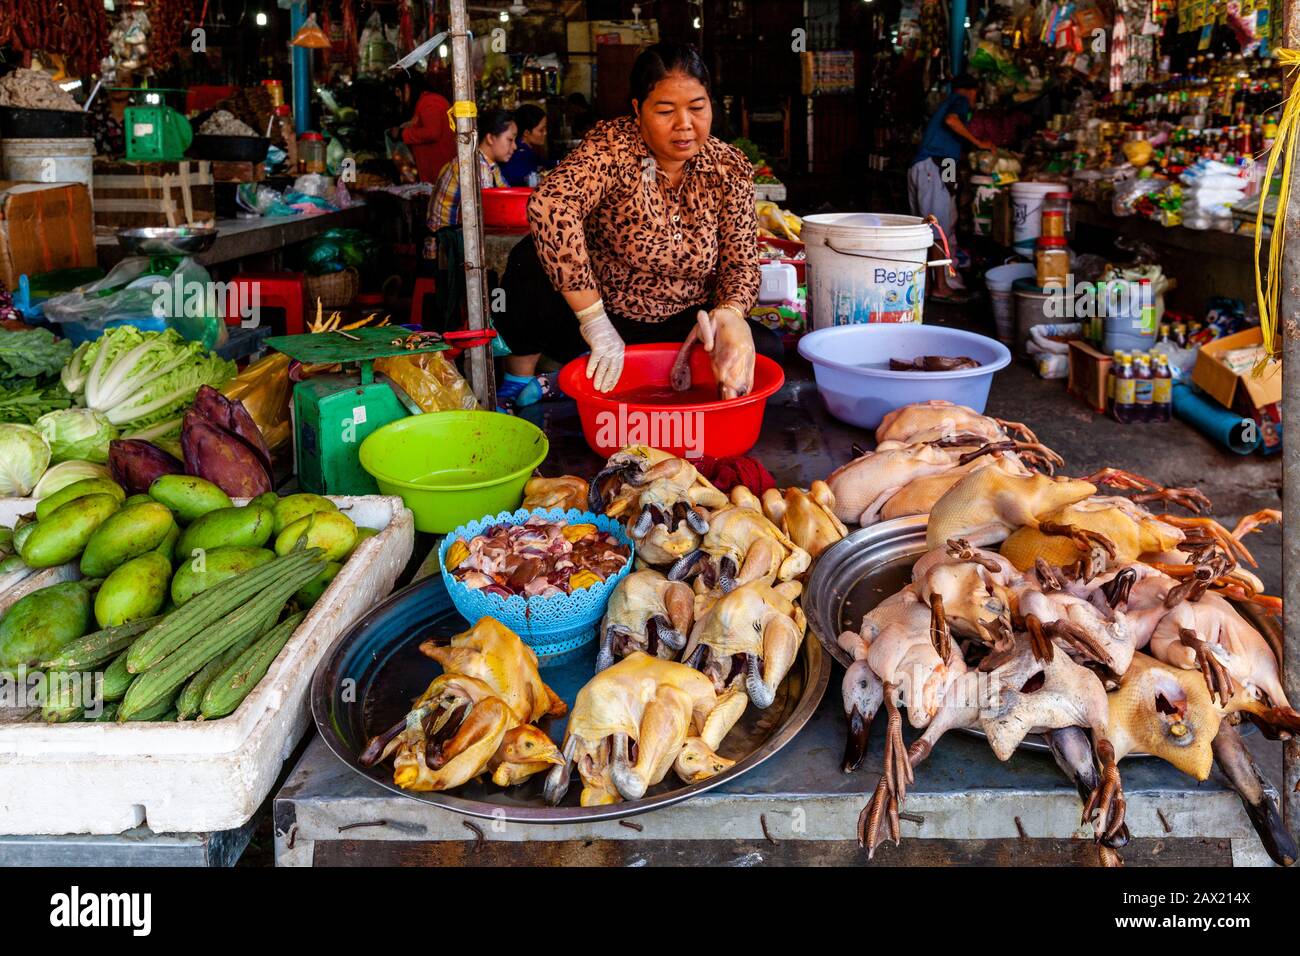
(601, 221)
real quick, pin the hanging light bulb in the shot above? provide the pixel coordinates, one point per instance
(442, 51)
(696, 23)
(261, 19)
(967, 23)
(504, 16)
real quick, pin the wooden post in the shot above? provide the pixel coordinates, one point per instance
(1289, 323)
(481, 373)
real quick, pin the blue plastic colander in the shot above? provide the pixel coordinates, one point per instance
(549, 625)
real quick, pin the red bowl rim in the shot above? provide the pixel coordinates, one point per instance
(575, 371)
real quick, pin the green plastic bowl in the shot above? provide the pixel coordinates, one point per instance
(453, 467)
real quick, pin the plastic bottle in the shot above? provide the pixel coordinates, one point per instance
(1162, 390)
(1125, 391)
(1142, 388)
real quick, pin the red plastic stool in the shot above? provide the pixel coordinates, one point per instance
(423, 287)
(284, 290)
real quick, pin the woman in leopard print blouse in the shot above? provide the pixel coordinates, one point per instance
(646, 224)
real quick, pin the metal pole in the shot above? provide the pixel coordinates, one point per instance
(301, 71)
(1290, 331)
(481, 373)
(957, 35)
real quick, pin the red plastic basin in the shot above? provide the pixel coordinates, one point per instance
(506, 208)
(622, 417)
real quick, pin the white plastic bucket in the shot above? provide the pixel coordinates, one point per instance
(1026, 213)
(866, 267)
(986, 195)
(48, 160)
(999, 280)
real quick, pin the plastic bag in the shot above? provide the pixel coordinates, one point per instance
(135, 291)
(339, 249)
(1128, 193)
(432, 382)
(265, 390)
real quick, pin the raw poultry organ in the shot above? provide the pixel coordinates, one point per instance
(538, 558)
(1100, 624)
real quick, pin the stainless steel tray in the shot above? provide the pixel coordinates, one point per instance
(373, 672)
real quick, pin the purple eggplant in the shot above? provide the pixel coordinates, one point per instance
(135, 464)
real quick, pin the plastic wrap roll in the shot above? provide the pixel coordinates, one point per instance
(1214, 421)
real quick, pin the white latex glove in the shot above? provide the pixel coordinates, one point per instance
(725, 335)
(605, 366)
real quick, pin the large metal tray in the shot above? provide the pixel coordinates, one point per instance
(373, 672)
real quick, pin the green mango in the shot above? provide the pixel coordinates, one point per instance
(66, 531)
(42, 622)
(128, 534)
(189, 497)
(247, 527)
(136, 500)
(363, 534)
(78, 489)
(268, 499)
(196, 575)
(136, 589)
(168, 547)
(310, 592)
(291, 508)
(331, 531)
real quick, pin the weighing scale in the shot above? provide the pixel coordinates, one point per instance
(333, 413)
(155, 132)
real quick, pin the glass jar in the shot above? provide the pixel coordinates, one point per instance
(311, 152)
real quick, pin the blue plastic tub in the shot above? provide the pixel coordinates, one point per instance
(851, 363)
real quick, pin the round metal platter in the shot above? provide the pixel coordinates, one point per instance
(375, 670)
(852, 576)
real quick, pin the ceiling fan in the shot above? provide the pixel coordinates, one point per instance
(517, 8)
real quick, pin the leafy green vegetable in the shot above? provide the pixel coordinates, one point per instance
(750, 149)
(139, 379)
(35, 354)
(65, 473)
(77, 433)
(27, 402)
(24, 456)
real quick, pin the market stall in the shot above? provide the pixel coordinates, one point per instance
(839, 573)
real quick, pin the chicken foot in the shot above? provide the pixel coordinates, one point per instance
(1193, 499)
(1072, 751)
(1106, 805)
(1212, 669)
(895, 776)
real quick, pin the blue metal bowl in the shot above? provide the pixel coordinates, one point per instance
(549, 625)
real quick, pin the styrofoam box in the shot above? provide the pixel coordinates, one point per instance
(192, 776)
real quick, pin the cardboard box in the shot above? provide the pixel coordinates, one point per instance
(1227, 387)
(141, 195)
(44, 227)
(1089, 370)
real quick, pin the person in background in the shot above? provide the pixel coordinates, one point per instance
(932, 177)
(430, 136)
(496, 144)
(647, 224)
(530, 152)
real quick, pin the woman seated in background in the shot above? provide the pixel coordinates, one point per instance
(644, 226)
(530, 155)
(496, 144)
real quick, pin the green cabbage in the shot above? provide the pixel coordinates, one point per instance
(77, 433)
(24, 456)
(65, 473)
(139, 379)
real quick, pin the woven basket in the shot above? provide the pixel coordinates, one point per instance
(336, 290)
